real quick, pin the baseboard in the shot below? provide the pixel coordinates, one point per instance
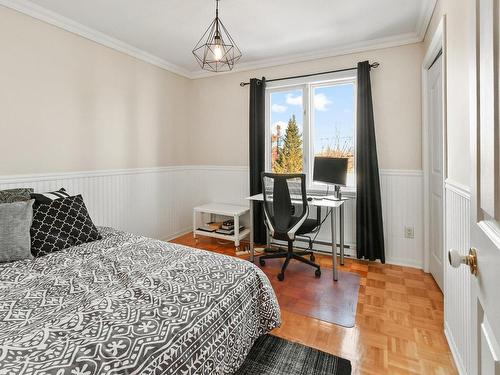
(404, 263)
(323, 249)
(172, 236)
(454, 350)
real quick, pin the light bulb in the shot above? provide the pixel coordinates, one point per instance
(218, 52)
(218, 47)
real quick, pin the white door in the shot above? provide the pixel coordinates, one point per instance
(435, 142)
(485, 203)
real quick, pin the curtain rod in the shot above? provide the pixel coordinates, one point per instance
(374, 65)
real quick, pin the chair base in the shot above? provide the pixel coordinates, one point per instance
(289, 255)
(269, 250)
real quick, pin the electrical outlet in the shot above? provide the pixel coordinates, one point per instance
(409, 231)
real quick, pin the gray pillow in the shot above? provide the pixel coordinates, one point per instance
(15, 195)
(15, 224)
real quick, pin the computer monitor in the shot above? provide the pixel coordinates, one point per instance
(330, 170)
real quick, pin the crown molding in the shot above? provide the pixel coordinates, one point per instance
(55, 19)
(33, 10)
(425, 16)
(363, 46)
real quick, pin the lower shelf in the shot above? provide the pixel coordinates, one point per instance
(242, 234)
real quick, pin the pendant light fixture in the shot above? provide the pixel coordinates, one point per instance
(216, 51)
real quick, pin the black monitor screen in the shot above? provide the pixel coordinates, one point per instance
(330, 170)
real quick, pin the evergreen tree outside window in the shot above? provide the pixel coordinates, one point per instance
(289, 155)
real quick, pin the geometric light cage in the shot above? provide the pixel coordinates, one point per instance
(216, 50)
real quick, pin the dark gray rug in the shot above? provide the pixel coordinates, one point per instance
(272, 355)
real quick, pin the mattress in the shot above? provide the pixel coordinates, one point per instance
(128, 304)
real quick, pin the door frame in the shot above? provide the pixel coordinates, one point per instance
(438, 42)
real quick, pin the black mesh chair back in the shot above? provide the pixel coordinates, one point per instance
(285, 203)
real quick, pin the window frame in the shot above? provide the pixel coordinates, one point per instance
(307, 85)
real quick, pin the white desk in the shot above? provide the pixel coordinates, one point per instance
(332, 203)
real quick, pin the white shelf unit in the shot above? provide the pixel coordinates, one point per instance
(221, 209)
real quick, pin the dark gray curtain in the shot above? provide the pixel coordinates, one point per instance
(369, 226)
(257, 152)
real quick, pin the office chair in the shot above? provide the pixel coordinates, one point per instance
(285, 214)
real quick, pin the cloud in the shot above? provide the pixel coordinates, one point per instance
(321, 102)
(278, 108)
(283, 125)
(293, 100)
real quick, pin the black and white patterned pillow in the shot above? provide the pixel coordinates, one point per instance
(60, 224)
(49, 196)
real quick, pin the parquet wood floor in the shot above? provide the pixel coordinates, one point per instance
(399, 320)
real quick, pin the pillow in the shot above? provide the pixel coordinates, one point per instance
(15, 223)
(60, 224)
(15, 195)
(49, 196)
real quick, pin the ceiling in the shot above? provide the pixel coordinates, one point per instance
(269, 32)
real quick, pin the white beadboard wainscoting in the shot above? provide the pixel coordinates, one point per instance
(146, 201)
(457, 306)
(158, 202)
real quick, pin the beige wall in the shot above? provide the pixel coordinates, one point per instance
(457, 91)
(69, 104)
(219, 115)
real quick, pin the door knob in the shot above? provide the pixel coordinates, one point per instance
(456, 259)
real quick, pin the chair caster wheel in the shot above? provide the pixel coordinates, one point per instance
(281, 277)
(262, 262)
(313, 258)
(317, 273)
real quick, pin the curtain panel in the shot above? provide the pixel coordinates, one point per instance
(369, 225)
(257, 151)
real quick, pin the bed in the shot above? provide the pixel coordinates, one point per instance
(128, 304)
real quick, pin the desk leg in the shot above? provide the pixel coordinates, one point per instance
(341, 228)
(334, 243)
(251, 232)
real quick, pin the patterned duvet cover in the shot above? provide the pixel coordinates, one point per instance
(127, 304)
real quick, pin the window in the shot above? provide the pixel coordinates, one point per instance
(310, 118)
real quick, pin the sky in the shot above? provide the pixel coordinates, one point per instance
(333, 107)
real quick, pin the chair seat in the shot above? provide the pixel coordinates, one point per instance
(308, 226)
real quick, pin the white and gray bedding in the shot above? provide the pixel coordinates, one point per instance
(127, 304)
